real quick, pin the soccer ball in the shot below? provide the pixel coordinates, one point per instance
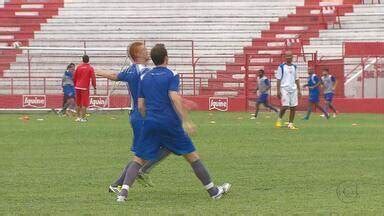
(16, 44)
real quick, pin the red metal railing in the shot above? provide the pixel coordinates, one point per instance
(193, 81)
(368, 68)
(363, 61)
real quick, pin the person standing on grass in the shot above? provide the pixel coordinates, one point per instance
(165, 118)
(82, 78)
(138, 55)
(288, 89)
(263, 87)
(314, 94)
(329, 85)
(68, 90)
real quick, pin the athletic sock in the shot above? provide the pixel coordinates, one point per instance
(326, 114)
(332, 108)
(65, 108)
(124, 190)
(131, 174)
(120, 180)
(211, 189)
(151, 164)
(308, 113)
(202, 173)
(326, 108)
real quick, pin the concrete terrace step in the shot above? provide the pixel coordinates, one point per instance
(124, 43)
(333, 41)
(260, 49)
(170, 20)
(17, 12)
(295, 29)
(192, 31)
(150, 6)
(209, 36)
(365, 24)
(151, 25)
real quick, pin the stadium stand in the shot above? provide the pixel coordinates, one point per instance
(18, 22)
(316, 29)
(365, 24)
(288, 33)
(215, 46)
(215, 30)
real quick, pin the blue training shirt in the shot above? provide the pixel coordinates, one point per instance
(263, 85)
(131, 76)
(67, 84)
(312, 81)
(154, 87)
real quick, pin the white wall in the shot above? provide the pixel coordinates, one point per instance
(2, 2)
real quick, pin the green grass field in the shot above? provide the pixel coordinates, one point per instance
(59, 167)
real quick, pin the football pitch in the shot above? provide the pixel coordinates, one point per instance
(55, 166)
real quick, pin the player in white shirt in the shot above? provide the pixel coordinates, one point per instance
(288, 89)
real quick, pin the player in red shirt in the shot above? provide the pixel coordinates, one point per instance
(84, 74)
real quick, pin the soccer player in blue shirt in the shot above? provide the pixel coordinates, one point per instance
(165, 118)
(314, 93)
(139, 57)
(68, 89)
(263, 87)
(329, 85)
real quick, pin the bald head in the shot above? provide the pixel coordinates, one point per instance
(288, 57)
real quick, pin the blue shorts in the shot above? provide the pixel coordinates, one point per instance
(328, 97)
(69, 91)
(263, 98)
(314, 98)
(136, 121)
(156, 135)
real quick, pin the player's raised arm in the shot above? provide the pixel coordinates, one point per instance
(75, 74)
(107, 74)
(93, 78)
